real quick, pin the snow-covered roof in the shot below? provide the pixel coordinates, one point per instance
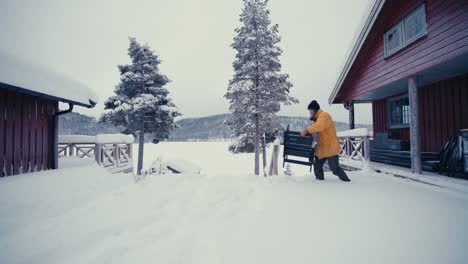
(98, 139)
(25, 77)
(376, 7)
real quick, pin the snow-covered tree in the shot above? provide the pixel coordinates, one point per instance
(258, 87)
(141, 102)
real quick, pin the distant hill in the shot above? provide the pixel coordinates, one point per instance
(79, 124)
(191, 129)
(213, 127)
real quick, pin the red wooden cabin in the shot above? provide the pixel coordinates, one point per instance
(29, 99)
(411, 62)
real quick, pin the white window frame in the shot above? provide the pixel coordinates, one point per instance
(389, 113)
(400, 32)
(421, 10)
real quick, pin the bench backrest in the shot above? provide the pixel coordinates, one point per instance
(295, 145)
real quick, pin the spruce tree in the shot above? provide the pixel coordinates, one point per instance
(258, 88)
(141, 103)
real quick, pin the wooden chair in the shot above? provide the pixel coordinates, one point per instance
(297, 146)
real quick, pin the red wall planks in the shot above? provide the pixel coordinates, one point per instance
(443, 108)
(17, 121)
(25, 132)
(2, 131)
(447, 38)
(9, 118)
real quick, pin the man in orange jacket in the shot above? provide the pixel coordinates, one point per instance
(328, 147)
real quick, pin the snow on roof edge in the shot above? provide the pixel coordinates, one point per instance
(19, 75)
(358, 41)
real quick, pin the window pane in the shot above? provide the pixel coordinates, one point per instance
(393, 40)
(415, 24)
(399, 112)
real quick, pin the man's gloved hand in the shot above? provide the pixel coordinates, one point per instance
(304, 133)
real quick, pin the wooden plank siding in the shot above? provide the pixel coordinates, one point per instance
(447, 38)
(25, 132)
(443, 108)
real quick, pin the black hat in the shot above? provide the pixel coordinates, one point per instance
(313, 105)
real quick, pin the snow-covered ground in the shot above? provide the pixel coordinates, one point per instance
(83, 214)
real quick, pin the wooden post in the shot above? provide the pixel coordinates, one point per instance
(264, 151)
(72, 149)
(414, 126)
(116, 155)
(97, 153)
(351, 114)
(273, 167)
(130, 151)
(366, 149)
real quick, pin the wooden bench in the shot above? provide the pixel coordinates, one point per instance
(297, 146)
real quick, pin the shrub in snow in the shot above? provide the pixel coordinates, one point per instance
(141, 103)
(288, 171)
(258, 87)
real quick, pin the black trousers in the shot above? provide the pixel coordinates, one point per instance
(333, 163)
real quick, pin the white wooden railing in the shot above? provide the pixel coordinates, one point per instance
(355, 144)
(109, 150)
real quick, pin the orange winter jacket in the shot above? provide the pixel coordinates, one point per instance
(327, 141)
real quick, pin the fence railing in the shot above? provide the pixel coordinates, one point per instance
(355, 144)
(109, 150)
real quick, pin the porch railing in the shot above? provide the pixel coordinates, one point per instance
(108, 150)
(355, 144)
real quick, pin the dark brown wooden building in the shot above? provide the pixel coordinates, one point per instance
(411, 62)
(29, 101)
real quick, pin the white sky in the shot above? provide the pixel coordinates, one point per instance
(87, 39)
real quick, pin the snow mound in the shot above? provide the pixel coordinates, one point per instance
(183, 166)
(114, 138)
(40, 81)
(68, 139)
(358, 132)
(173, 166)
(98, 139)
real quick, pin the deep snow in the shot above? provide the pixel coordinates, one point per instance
(83, 214)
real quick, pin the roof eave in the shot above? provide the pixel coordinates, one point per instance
(375, 11)
(47, 96)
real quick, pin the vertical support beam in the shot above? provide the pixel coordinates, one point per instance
(414, 126)
(130, 150)
(366, 149)
(351, 114)
(97, 153)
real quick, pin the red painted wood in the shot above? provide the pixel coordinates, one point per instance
(2, 131)
(55, 120)
(32, 134)
(25, 134)
(46, 133)
(447, 38)
(443, 112)
(376, 58)
(9, 115)
(39, 137)
(18, 105)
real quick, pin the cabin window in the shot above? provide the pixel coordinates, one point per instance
(409, 29)
(393, 40)
(415, 24)
(399, 112)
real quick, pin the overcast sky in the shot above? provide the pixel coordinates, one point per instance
(87, 39)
